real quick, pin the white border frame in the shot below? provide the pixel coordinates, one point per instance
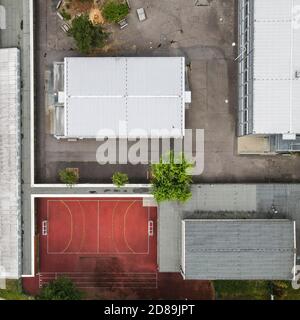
(36, 196)
(32, 84)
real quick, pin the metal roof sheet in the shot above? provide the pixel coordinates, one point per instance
(146, 93)
(154, 115)
(90, 115)
(276, 58)
(238, 249)
(10, 193)
(95, 77)
(155, 77)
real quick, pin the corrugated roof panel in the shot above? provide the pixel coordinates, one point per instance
(276, 57)
(149, 91)
(271, 107)
(270, 9)
(239, 249)
(86, 117)
(10, 153)
(155, 114)
(95, 76)
(296, 102)
(272, 57)
(155, 76)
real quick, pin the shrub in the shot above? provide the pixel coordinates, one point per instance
(65, 14)
(86, 35)
(60, 289)
(68, 176)
(280, 289)
(113, 11)
(120, 179)
(171, 180)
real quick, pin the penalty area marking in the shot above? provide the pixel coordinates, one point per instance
(110, 253)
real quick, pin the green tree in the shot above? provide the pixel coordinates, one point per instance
(69, 177)
(170, 179)
(120, 179)
(86, 35)
(114, 11)
(60, 289)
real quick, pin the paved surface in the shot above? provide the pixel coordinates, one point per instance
(204, 35)
(230, 201)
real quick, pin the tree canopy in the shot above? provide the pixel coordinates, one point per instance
(120, 179)
(86, 35)
(68, 177)
(60, 289)
(114, 11)
(170, 179)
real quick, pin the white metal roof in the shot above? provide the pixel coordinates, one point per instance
(276, 104)
(142, 93)
(9, 162)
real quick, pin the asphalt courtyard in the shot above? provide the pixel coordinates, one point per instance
(204, 35)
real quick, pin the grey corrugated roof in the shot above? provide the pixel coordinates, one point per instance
(210, 198)
(143, 93)
(10, 149)
(276, 58)
(238, 249)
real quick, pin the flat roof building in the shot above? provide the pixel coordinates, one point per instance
(10, 164)
(122, 97)
(269, 68)
(238, 249)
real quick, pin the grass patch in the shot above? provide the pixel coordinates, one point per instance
(241, 290)
(114, 11)
(13, 291)
(291, 294)
(250, 290)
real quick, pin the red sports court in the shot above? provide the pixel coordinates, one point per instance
(97, 242)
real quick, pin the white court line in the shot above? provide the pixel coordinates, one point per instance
(107, 253)
(48, 218)
(112, 227)
(83, 226)
(124, 227)
(98, 228)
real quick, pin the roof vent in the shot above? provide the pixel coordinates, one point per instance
(297, 74)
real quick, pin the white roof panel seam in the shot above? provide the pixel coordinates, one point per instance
(157, 69)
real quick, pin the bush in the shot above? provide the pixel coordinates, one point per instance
(60, 289)
(65, 14)
(280, 289)
(114, 11)
(68, 176)
(86, 35)
(120, 179)
(171, 180)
